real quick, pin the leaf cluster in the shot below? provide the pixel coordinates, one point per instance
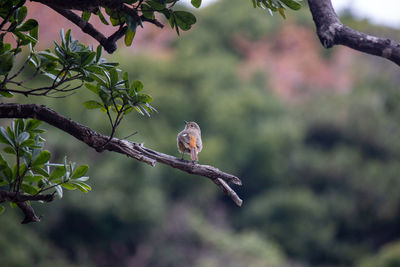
(277, 5)
(32, 172)
(24, 32)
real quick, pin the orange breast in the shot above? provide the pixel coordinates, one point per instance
(192, 141)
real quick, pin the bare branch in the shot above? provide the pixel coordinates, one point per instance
(131, 149)
(332, 32)
(29, 213)
(229, 191)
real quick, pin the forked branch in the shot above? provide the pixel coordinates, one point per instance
(332, 32)
(102, 142)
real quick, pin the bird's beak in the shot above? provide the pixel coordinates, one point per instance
(185, 122)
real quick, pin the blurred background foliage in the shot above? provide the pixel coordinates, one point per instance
(319, 161)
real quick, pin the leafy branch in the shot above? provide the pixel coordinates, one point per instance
(33, 174)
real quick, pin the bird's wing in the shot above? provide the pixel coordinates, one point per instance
(184, 138)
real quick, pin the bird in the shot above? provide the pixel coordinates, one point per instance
(189, 140)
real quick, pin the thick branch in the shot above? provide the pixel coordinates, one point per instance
(332, 32)
(86, 27)
(101, 142)
(17, 197)
(21, 199)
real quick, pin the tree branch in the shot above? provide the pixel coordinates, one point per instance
(332, 32)
(21, 199)
(17, 197)
(86, 27)
(100, 142)
(63, 8)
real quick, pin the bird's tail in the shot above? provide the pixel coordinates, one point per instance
(193, 153)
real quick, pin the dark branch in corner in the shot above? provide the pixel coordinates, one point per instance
(21, 199)
(109, 44)
(135, 150)
(332, 32)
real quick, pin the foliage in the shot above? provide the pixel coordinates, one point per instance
(31, 171)
(387, 256)
(320, 175)
(70, 61)
(277, 5)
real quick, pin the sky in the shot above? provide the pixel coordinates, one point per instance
(387, 14)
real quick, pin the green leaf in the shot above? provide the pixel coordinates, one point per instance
(21, 14)
(129, 37)
(147, 11)
(92, 88)
(126, 79)
(22, 137)
(292, 4)
(98, 52)
(68, 186)
(29, 189)
(88, 59)
(25, 39)
(32, 124)
(196, 3)
(82, 179)
(81, 186)
(91, 104)
(113, 76)
(42, 158)
(6, 94)
(184, 19)
(132, 23)
(6, 62)
(8, 174)
(40, 171)
(9, 150)
(86, 15)
(28, 25)
(98, 13)
(282, 12)
(80, 171)
(144, 98)
(33, 178)
(28, 143)
(34, 33)
(138, 85)
(58, 172)
(22, 169)
(5, 138)
(68, 37)
(59, 191)
(2, 209)
(48, 55)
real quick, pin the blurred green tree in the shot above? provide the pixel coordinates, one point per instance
(321, 176)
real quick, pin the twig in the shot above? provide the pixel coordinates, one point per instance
(228, 191)
(126, 137)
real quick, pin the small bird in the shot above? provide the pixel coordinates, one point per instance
(189, 140)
